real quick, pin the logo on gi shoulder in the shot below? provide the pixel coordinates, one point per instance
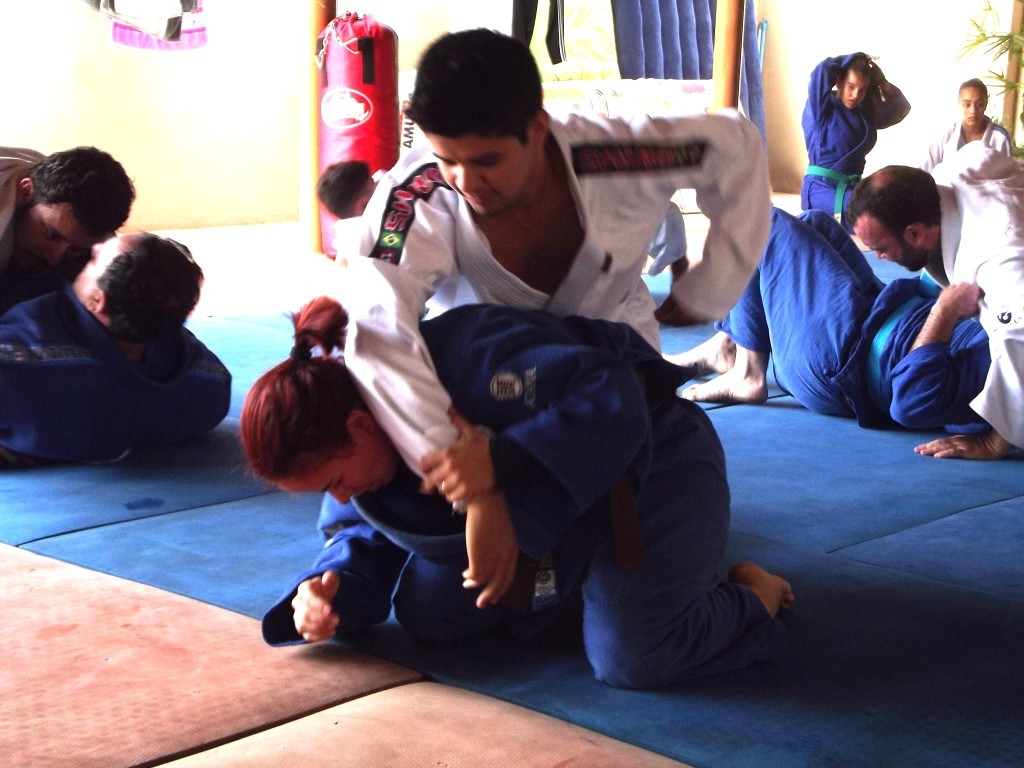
(1005, 315)
(506, 385)
(344, 108)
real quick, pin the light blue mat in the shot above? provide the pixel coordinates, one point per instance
(48, 500)
(238, 555)
(823, 483)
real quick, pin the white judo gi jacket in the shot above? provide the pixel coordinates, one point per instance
(982, 196)
(420, 244)
(946, 146)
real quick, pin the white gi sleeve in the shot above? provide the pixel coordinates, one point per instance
(733, 191)
(384, 350)
(990, 195)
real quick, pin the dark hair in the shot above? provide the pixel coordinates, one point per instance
(861, 64)
(93, 182)
(301, 405)
(341, 184)
(897, 196)
(151, 287)
(974, 83)
(476, 82)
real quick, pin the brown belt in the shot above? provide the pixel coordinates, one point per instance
(627, 537)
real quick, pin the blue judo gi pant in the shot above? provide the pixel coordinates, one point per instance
(805, 305)
(670, 619)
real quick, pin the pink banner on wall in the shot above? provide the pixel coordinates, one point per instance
(192, 33)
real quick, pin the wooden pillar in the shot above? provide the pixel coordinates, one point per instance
(1011, 99)
(725, 71)
(320, 13)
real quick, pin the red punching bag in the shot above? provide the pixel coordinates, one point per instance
(358, 62)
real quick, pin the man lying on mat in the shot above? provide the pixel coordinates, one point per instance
(90, 372)
(842, 342)
(594, 490)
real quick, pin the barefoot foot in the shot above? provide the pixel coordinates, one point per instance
(730, 387)
(716, 355)
(774, 591)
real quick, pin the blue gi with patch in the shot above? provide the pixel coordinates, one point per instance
(68, 392)
(816, 306)
(570, 415)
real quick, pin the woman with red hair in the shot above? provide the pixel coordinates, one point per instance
(589, 483)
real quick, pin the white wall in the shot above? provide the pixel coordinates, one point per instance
(917, 42)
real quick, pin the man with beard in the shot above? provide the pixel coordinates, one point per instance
(842, 342)
(964, 227)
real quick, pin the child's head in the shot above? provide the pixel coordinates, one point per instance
(345, 188)
(854, 83)
(303, 425)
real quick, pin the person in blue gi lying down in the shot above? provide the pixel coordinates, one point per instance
(848, 101)
(588, 484)
(90, 372)
(842, 342)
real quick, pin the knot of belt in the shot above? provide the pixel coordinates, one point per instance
(843, 182)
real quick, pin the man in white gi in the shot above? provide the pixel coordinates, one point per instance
(511, 206)
(54, 208)
(966, 225)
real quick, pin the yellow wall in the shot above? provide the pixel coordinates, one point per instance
(917, 42)
(216, 136)
(209, 136)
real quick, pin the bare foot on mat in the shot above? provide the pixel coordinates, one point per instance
(774, 591)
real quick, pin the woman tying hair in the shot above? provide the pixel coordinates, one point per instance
(589, 482)
(848, 101)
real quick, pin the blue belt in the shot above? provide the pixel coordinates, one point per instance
(878, 343)
(843, 182)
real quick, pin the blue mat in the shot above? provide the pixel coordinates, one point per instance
(247, 345)
(884, 669)
(823, 483)
(239, 555)
(904, 643)
(979, 548)
(51, 499)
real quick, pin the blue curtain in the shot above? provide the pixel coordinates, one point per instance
(674, 39)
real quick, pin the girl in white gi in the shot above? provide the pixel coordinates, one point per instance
(508, 205)
(600, 491)
(975, 125)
